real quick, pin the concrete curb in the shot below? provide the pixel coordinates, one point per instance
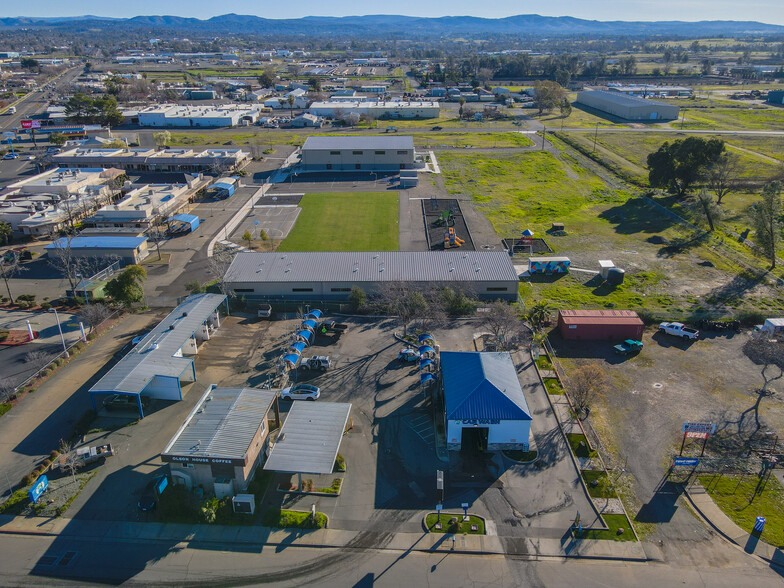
(709, 522)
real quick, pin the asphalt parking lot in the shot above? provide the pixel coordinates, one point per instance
(13, 364)
(390, 452)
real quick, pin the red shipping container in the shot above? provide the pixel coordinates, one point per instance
(600, 324)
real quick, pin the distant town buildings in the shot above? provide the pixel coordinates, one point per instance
(175, 115)
(148, 159)
(377, 109)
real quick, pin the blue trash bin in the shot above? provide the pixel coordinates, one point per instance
(759, 524)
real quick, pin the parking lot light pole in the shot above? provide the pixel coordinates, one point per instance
(59, 328)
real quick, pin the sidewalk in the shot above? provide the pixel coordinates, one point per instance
(255, 535)
(701, 501)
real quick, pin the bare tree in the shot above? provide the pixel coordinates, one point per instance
(584, 384)
(707, 208)
(69, 460)
(63, 258)
(399, 299)
(7, 389)
(37, 358)
(94, 315)
(722, 176)
(218, 265)
(502, 321)
(9, 267)
(764, 351)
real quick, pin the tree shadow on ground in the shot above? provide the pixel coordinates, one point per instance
(683, 244)
(634, 216)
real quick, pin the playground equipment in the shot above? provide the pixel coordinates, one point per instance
(445, 219)
(451, 239)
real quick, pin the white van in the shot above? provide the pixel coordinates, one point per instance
(11, 110)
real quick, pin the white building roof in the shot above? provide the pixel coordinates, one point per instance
(155, 354)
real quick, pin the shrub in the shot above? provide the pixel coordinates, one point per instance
(45, 306)
(46, 463)
(26, 297)
(54, 455)
(27, 479)
(340, 464)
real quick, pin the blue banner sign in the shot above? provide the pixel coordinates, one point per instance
(38, 488)
(686, 461)
(161, 486)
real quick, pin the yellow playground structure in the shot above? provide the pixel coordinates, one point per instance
(451, 239)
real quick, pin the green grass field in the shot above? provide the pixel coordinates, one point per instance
(525, 190)
(353, 221)
(735, 495)
(767, 119)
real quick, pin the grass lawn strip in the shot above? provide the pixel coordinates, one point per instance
(735, 495)
(520, 455)
(293, 519)
(603, 487)
(353, 221)
(553, 386)
(460, 526)
(615, 522)
(579, 445)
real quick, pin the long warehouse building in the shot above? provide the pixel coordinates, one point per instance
(377, 152)
(627, 107)
(488, 275)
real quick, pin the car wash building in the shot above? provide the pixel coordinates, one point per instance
(158, 366)
(485, 406)
(222, 440)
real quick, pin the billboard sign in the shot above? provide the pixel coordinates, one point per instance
(686, 461)
(161, 485)
(31, 124)
(38, 488)
(708, 428)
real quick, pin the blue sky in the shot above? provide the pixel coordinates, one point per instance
(770, 11)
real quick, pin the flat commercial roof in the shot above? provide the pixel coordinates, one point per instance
(154, 355)
(620, 98)
(482, 386)
(593, 317)
(98, 243)
(371, 142)
(310, 438)
(382, 266)
(222, 425)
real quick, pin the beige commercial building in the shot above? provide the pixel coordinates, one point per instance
(374, 153)
(146, 159)
(628, 107)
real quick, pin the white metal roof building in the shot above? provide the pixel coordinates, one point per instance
(310, 438)
(331, 275)
(628, 107)
(376, 152)
(150, 159)
(163, 359)
(377, 109)
(175, 115)
(222, 440)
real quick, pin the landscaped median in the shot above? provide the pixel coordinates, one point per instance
(293, 519)
(454, 523)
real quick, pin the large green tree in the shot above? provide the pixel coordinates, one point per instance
(103, 110)
(766, 218)
(548, 95)
(127, 287)
(677, 166)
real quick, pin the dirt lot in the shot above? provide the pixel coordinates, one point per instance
(650, 396)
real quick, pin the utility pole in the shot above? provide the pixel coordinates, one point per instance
(544, 135)
(595, 134)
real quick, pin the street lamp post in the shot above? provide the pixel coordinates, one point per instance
(59, 328)
(544, 136)
(595, 133)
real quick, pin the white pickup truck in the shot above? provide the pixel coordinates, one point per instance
(679, 330)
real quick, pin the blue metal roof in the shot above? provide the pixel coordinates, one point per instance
(186, 218)
(98, 243)
(223, 186)
(482, 386)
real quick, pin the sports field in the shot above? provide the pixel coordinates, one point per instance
(353, 221)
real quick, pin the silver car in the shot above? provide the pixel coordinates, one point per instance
(300, 392)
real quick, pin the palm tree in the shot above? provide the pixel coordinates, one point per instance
(290, 100)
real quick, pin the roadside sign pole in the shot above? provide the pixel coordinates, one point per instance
(683, 443)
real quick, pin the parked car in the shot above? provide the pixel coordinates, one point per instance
(118, 402)
(265, 311)
(300, 392)
(148, 499)
(679, 330)
(628, 347)
(409, 354)
(138, 339)
(10, 156)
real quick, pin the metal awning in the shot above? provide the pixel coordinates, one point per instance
(314, 314)
(310, 438)
(306, 335)
(309, 324)
(292, 359)
(297, 348)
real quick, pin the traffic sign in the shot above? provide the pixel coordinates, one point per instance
(685, 461)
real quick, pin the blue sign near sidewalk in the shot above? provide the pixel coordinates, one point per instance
(686, 461)
(38, 488)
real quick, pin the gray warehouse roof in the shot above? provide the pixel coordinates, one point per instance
(310, 438)
(619, 98)
(371, 142)
(222, 424)
(154, 355)
(382, 266)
